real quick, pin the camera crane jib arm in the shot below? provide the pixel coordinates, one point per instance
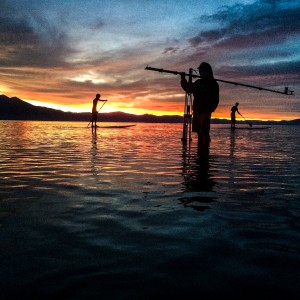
(285, 92)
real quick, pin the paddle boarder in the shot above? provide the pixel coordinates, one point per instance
(234, 109)
(94, 110)
(206, 99)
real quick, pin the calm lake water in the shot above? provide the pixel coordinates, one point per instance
(131, 214)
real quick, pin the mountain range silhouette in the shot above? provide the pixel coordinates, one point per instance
(17, 109)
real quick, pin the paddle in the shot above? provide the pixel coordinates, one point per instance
(246, 120)
(98, 110)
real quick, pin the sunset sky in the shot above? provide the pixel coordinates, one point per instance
(61, 53)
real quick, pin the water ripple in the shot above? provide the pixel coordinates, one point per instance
(134, 203)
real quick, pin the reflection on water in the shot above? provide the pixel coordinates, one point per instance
(116, 212)
(198, 179)
(232, 143)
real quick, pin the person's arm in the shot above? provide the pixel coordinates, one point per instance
(186, 85)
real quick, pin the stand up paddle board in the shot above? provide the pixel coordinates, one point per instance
(250, 128)
(115, 126)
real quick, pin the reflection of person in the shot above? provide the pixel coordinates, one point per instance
(206, 100)
(198, 178)
(234, 109)
(94, 110)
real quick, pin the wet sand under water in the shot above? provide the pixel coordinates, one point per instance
(130, 214)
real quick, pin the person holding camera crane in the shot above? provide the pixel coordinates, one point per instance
(206, 99)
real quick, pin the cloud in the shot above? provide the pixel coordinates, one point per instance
(254, 25)
(98, 24)
(31, 41)
(256, 42)
(15, 32)
(170, 50)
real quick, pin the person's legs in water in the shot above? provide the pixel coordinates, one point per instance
(232, 121)
(203, 133)
(94, 119)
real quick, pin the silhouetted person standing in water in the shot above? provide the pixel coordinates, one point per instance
(94, 110)
(234, 109)
(206, 100)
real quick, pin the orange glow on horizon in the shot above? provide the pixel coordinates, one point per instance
(147, 104)
(118, 107)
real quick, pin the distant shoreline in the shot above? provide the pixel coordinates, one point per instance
(17, 109)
